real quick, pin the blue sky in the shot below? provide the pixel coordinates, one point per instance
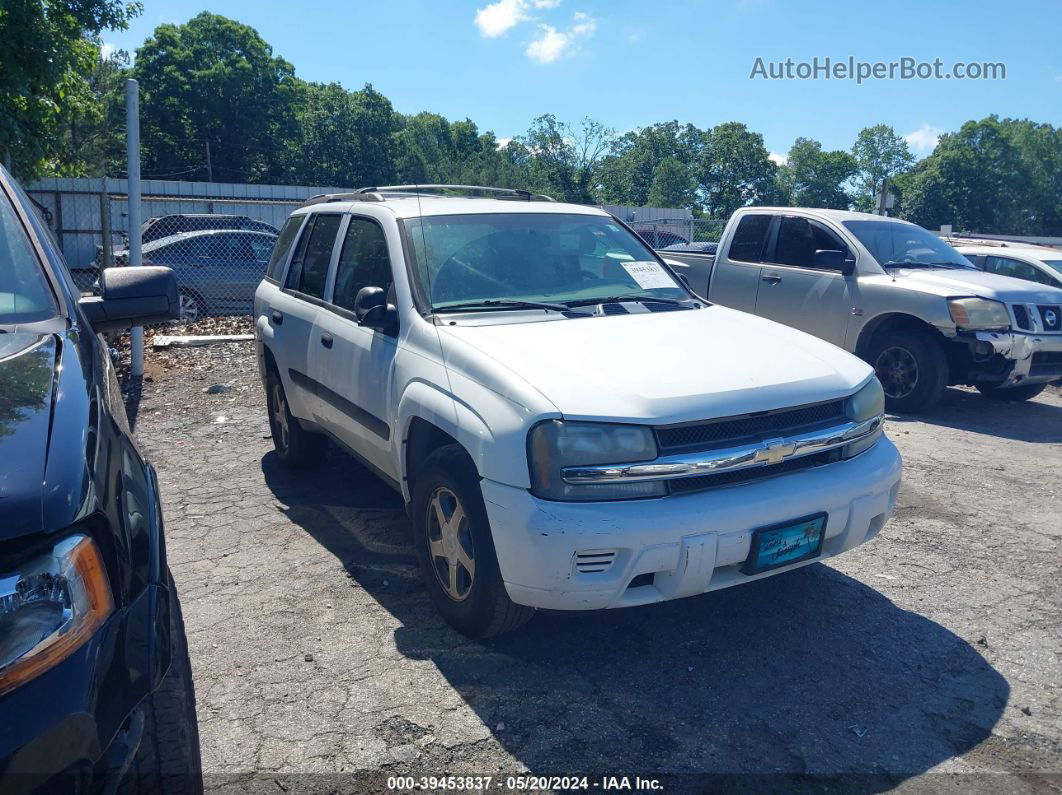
(628, 64)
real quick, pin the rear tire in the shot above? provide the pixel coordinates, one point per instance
(912, 368)
(168, 761)
(296, 447)
(1015, 393)
(473, 599)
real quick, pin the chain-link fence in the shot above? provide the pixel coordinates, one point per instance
(217, 245)
(664, 233)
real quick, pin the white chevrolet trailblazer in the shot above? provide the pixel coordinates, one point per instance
(570, 427)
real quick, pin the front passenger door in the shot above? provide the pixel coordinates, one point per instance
(798, 292)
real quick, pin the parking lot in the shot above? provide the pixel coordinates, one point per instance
(935, 650)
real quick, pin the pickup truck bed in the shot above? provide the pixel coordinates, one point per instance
(695, 267)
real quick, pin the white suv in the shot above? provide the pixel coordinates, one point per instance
(570, 426)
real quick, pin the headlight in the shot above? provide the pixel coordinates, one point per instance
(555, 444)
(978, 313)
(864, 405)
(49, 608)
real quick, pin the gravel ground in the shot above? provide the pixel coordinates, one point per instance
(319, 664)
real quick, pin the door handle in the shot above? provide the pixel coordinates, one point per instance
(327, 340)
(771, 278)
(278, 317)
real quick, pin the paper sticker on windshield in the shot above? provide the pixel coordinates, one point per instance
(648, 274)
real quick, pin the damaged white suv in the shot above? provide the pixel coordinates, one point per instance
(570, 426)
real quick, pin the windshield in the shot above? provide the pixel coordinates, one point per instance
(24, 293)
(907, 245)
(540, 257)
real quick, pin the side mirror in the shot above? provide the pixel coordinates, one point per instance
(829, 259)
(373, 311)
(132, 297)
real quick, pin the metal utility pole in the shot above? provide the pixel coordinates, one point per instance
(210, 167)
(132, 146)
(106, 257)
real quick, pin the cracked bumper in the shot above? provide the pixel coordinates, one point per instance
(1037, 358)
(690, 543)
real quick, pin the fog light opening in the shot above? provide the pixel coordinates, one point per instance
(642, 580)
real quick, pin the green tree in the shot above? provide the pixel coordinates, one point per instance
(814, 178)
(566, 161)
(628, 171)
(977, 180)
(47, 48)
(215, 82)
(734, 170)
(343, 138)
(672, 184)
(92, 139)
(880, 154)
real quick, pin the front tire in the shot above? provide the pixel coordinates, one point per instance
(456, 549)
(296, 447)
(168, 759)
(1015, 393)
(912, 369)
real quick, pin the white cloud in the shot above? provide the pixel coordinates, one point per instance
(107, 50)
(777, 159)
(498, 18)
(551, 43)
(503, 142)
(924, 139)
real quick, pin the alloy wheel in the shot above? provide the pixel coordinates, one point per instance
(280, 416)
(897, 369)
(189, 308)
(450, 545)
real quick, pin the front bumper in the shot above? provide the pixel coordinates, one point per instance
(67, 724)
(1036, 358)
(689, 544)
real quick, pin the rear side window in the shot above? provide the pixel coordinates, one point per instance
(363, 262)
(750, 237)
(309, 268)
(280, 250)
(1005, 266)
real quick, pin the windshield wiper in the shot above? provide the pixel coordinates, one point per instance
(948, 265)
(505, 303)
(616, 299)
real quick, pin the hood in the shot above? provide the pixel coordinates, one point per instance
(27, 376)
(962, 282)
(660, 367)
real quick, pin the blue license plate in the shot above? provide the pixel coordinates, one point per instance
(783, 544)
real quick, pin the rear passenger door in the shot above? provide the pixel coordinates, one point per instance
(354, 365)
(735, 277)
(798, 292)
(295, 309)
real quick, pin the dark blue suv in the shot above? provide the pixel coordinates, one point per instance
(95, 685)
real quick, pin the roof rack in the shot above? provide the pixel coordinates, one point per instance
(383, 192)
(469, 191)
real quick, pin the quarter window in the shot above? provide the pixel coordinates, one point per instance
(750, 237)
(363, 262)
(309, 268)
(280, 250)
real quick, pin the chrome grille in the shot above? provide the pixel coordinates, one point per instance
(727, 430)
(702, 482)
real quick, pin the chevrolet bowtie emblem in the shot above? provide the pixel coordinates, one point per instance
(775, 451)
